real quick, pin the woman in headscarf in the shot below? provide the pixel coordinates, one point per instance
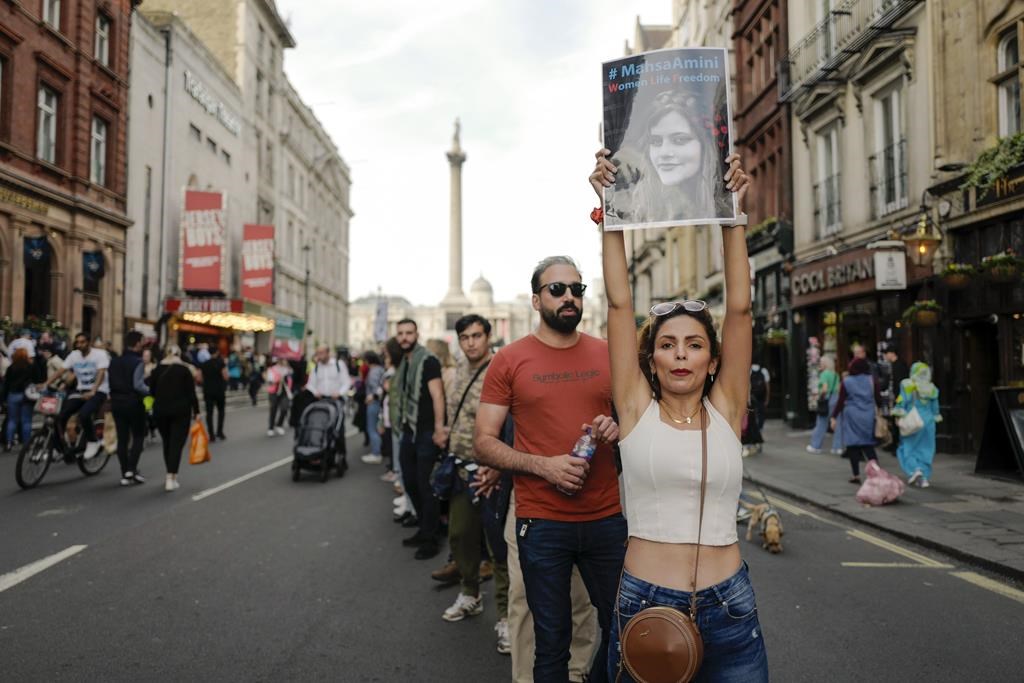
(917, 450)
(859, 396)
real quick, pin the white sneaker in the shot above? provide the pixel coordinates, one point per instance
(388, 477)
(91, 449)
(279, 430)
(924, 483)
(914, 477)
(814, 451)
(401, 509)
(271, 432)
(371, 459)
(465, 606)
(837, 451)
(171, 484)
(127, 479)
(504, 643)
(399, 501)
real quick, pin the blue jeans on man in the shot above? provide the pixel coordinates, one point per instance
(548, 550)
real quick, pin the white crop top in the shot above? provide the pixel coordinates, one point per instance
(661, 480)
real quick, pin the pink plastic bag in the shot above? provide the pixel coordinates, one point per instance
(880, 487)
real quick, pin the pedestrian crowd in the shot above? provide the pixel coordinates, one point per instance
(875, 403)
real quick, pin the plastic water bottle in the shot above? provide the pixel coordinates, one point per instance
(584, 448)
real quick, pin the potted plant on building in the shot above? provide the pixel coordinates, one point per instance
(923, 313)
(1003, 268)
(776, 337)
(958, 275)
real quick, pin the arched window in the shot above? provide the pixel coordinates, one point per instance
(1008, 83)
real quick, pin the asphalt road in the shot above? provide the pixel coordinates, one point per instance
(270, 580)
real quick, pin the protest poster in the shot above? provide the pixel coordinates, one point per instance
(668, 125)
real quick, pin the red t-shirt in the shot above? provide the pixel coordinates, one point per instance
(550, 393)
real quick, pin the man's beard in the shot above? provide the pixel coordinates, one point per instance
(557, 322)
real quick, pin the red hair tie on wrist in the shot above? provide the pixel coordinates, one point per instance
(597, 215)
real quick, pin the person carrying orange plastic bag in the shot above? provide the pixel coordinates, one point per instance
(199, 449)
(174, 406)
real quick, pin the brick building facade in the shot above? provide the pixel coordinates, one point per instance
(63, 153)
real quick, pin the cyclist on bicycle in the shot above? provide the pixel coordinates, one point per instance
(88, 366)
(330, 379)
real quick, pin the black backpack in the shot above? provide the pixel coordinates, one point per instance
(758, 387)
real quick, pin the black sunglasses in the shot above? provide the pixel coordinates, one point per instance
(558, 288)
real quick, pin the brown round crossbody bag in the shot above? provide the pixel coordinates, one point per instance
(662, 644)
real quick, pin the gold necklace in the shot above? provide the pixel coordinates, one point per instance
(688, 420)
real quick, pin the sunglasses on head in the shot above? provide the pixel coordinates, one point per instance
(666, 307)
(558, 288)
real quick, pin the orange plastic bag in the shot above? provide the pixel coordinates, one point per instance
(199, 450)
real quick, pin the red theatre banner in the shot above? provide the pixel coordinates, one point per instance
(203, 242)
(258, 263)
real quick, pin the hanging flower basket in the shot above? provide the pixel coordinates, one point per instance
(923, 313)
(776, 337)
(958, 276)
(1002, 268)
(925, 318)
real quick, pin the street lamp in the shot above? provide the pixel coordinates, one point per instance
(923, 242)
(305, 314)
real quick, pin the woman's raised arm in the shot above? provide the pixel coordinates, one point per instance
(732, 385)
(628, 384)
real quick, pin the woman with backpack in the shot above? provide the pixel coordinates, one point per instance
(173, 385)
(279, 389)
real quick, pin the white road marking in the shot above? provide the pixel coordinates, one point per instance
(12, 579)
(989, 584)
(245, 477)
(789, 507)
(892, 547)
(895, 565)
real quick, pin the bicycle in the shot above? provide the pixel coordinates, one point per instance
(47, 444)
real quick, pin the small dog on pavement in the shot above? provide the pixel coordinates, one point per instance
(766, 518)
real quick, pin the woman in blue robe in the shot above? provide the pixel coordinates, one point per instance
(917, 451)
(858, 398)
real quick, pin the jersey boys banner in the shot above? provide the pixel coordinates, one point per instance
(258, 263)
(203, 242)
(667, 124)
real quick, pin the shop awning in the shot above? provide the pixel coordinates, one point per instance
(234, 314)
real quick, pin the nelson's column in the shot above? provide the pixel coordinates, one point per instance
(455, 302)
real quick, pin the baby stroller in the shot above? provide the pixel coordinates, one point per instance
(315, 441)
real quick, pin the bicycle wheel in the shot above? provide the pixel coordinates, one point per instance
(93, 465)
(33, 460)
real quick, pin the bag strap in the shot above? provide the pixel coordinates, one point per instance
(700, 520)
(463, 399)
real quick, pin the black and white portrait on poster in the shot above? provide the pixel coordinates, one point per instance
(667, 123)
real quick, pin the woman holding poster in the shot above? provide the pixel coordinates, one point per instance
(680, 412)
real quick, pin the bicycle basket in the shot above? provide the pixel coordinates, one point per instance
(49, 405)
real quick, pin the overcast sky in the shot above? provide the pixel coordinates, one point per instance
(387, 80)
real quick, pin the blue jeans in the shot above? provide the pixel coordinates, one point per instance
(734, 650)
(372, 413)
(19, 414)
(821, 428)
(547, 552)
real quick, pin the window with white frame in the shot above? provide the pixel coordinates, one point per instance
(826, 190)
(889, 161)
(46, 125)
(1008, 83)
(101, 49)
(51, 13)
(98, 162)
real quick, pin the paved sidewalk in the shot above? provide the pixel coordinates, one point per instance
(976, 518)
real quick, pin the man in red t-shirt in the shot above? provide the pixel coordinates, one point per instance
(554, 383)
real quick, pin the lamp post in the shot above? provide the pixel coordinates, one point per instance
(305, 313)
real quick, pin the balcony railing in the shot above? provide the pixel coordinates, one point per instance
(849, 27)
(889, 179)
(827, 207)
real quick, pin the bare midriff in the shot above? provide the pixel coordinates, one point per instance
(670, 565)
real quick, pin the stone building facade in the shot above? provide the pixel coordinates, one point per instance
(63, 155)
